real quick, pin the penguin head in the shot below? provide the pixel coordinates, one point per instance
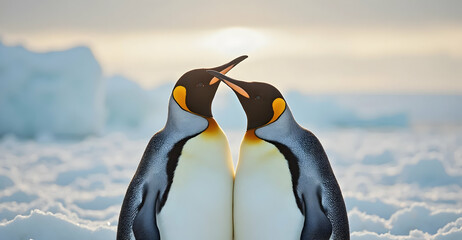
(195, 90)
(262, 102)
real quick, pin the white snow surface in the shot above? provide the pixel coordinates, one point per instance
(49, 188)
(398, 159)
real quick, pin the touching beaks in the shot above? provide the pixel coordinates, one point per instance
(223, 69)
(232, 83)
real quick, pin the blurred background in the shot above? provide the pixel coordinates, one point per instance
(85, 84)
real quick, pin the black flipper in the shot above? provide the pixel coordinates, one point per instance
(328, 193)
(317, 225)
(133, 205)
(145, 224)
(138, 198)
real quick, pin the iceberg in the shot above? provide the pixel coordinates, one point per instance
(57, 93)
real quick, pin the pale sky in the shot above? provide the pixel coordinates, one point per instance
(366, 46)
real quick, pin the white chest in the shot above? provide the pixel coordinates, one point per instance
(199, 204)
(264, 202)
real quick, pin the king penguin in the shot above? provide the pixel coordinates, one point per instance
(284, 185)
(183, 186)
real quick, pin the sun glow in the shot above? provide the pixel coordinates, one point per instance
(235, 41)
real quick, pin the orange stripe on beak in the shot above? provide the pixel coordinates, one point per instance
(238, 89)
(214, 79)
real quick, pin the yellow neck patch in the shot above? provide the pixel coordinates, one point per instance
(279, 105)
(250, 137)
(213, 128)
(179, 94)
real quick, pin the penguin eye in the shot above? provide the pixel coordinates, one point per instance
(200, 85)
(257, 97)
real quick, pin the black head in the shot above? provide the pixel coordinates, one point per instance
(195, 90)
(262, 103)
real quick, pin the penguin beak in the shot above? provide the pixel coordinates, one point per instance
(223, 69)
(234, 84)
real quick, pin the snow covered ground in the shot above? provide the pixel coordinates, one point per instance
(71, 139)
(398, 184)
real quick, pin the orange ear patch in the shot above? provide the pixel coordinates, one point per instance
(179, 94)
(215, 79)
(279, 105)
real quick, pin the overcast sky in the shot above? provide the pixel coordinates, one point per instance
(121, 15)
(355, 46)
